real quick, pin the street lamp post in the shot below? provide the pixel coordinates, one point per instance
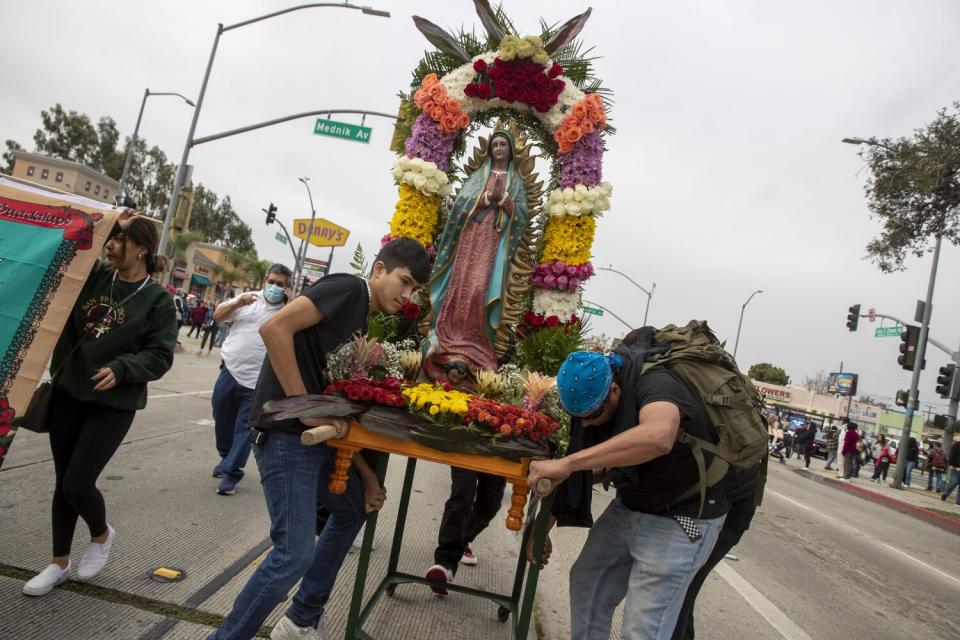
(133, 139)
(634, 282)
(304, 244)
(740, 325)
(182, 169)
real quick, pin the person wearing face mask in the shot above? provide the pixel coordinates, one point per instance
(119, 336)
(242, 356)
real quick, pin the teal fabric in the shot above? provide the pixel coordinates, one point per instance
(584, 381)
(468, 200)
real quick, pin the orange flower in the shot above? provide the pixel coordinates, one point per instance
(436, 113)
(448, 123)
(463, 120)
(574, 134)
(428, 106)
(587, 127)
(429, 80)
(420, 97)
(452, 105)
(580, 111)
(437, 92)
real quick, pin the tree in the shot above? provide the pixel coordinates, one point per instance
(816, 384)
(766, 372)
(258, 271)
(914, 189)
(12, 146)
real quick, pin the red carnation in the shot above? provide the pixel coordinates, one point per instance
(537, 320)
(552, 321)
(555, 70)
(479, 65)
(411, 310)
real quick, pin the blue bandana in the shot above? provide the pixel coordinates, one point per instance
(584, 381)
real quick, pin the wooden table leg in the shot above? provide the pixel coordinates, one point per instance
(517, 502)
(341, 471)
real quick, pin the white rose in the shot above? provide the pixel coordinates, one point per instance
(417, 163)
(568, 194)
(419, 181)
(558, 210)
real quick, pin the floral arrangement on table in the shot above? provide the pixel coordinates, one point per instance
(543, 82)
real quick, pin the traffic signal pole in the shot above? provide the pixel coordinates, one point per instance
(917, 368)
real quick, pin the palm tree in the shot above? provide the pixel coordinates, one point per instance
(258, 270)
(181, 242)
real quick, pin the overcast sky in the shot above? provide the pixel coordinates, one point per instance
(728, 171)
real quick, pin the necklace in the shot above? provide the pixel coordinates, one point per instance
(369, 293)
(106, 322)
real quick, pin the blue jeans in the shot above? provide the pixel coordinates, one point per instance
(953, 482)
(231, 413)
(908, 472)
(294, 477)
(935, 476)
(647, 559)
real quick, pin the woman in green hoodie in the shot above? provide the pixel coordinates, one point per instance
(119, 336)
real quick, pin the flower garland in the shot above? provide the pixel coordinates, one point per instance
(509, 420)
(432, 98)
(513, 47)
(568, 239)
(533, 322)
(421, 174)
(583, 164)
(562, 304)
(415, 215)
(561, 276)
(580, 200)
(385, 392)
(586, 116)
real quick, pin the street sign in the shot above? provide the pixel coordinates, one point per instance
(282, 239)
(887, 332)
(325, 233)
(343, 130)
(593, 311)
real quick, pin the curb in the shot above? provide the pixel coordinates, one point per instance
(944, 522)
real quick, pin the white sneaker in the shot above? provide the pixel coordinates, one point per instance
(286, 629)
(44, 582)
(95, 557)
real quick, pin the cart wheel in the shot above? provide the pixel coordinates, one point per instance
(503, 614)
(391, 589)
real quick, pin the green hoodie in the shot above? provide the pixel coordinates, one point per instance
(136, 343)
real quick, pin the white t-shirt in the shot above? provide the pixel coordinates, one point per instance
(243, 350)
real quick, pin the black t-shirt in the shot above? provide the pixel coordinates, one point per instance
(659, 482)
(344, 301)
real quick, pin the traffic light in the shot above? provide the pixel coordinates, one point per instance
(901, 399)
(909, 339)
(945, 380)
(271, 213)
(853, 317)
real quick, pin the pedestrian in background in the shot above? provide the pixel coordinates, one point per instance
(833, 443)
(954, 461)
(850, 450)
(197, 318)
(788, 437)
(241, 360)
(936, 464)
(882, 459)
(123, 330)
(863, 454)
(805, 440)
(210, 328)
(910, 463)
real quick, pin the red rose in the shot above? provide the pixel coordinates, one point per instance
(479, 65)
(552, 321)
(471, 90)
(537, 320)
(484, 91)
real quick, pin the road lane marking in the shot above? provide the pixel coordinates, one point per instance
(777, 619)
(879, 543)
(174, 395)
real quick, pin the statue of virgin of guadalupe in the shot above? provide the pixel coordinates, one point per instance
(484, 231)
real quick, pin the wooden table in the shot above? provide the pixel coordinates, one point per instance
(518, 605)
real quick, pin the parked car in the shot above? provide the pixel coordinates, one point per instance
(819, 446)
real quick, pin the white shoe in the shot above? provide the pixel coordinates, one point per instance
(44, 582)
(95, 557)
(286, 629)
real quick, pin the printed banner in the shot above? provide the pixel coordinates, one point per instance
(48, 245)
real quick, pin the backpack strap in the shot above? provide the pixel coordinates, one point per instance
(708, 478)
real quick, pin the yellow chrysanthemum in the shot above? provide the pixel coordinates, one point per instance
(415, 215)
(569, 239)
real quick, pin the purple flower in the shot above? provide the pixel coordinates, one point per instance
(586, 270)
(559, 267)
(573, 283)
(562, 282)
(429, 143)
(549, 281)
(536, 280)
(583, 164)
(572, 270)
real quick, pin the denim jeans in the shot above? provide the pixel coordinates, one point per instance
(953, 482)
(935, 476)
(831, 457)
(294, 477)
(647, 559)
(908, 467)
(231, 413)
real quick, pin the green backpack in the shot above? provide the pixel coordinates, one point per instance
(731, 402)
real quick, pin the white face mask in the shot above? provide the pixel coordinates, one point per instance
(273, 294)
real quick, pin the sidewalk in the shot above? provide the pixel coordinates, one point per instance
(914, 500)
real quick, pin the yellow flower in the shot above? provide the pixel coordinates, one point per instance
(568, 238)
(434, 410)
(415, 215)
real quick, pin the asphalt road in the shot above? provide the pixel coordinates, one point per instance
(817, 562)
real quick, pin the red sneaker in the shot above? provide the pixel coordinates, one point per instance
(469, 558)
(439, 573)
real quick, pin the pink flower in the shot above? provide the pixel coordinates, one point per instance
(549, 280)
(562, 282)
(573, 283)
(572, 270)
(559, 267)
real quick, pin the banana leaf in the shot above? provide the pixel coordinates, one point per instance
(567, 32)
(390, 422)
(446, 438)
(311, 406)
(441, 39)
(518, 448)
